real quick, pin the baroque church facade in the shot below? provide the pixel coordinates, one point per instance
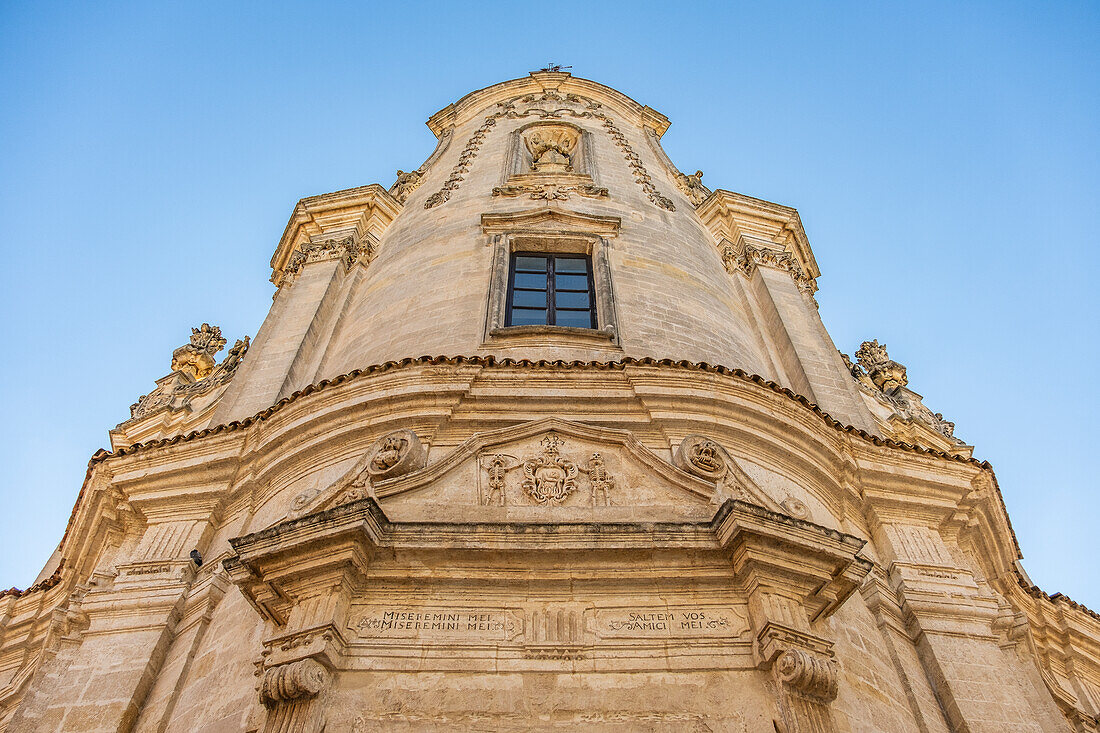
(638, 488)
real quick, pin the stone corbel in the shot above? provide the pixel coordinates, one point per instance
(289, 692)
(301, 576)
(795, 574)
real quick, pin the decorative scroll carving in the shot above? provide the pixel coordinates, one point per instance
(810, 674)
(543, 107)
(347, 250)
(177, 390)
(196, 359)
(552, 191)
(294, 681)
(289, 693)
(692, 186)
(464, 159)
(749, 256)
(396, 454)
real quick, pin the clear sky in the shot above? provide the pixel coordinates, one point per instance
(945, 159)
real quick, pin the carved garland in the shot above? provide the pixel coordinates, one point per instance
(508, 109)
(552, 191)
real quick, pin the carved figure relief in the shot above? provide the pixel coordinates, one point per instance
(405, 184)
(549, 478)
(887, 375)
(601, 481)
(885, 379)
(196, 359)
(692, 187)
(703, 457)
(551, 147)
(177, 390)
(395, 455)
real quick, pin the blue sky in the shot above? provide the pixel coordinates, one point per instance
(945, 159)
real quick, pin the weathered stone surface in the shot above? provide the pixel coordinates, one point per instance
(552, 528)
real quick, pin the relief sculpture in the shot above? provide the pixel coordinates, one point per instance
(547, 478)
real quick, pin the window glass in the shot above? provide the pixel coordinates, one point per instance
(530, 280)
(571, 282)
(528, 317)
(530, 298)
(571, 264)
(577, 319)
(551, 290)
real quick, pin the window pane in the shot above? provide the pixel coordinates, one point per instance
(571, 264)
(528, 317)
(571, 282)
(536, 264)
(578, 319)
(571, 300)
(529, 298)
(532, 281)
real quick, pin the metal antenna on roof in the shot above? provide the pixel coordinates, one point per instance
(552, 67)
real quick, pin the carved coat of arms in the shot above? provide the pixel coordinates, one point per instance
(549, 478)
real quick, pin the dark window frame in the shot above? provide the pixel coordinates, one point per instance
(551, 293)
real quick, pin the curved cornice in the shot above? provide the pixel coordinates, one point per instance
(536, 82)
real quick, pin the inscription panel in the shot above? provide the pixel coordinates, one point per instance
(439, 622)
(676, 622)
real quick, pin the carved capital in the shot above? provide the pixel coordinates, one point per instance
(746, 258)
(807, 673)
(299, 680)
(347, 250)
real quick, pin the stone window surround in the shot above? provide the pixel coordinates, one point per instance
(591, 245)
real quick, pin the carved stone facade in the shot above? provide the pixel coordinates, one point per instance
(697, 515)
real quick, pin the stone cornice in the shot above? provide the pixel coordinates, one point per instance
(360, 213)
(546, 221)
(475, 102)
(822, 564)
(745, 220)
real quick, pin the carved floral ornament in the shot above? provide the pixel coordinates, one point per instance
(551, 147)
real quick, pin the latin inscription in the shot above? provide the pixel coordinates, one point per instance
(681, 622)
(447, 623)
